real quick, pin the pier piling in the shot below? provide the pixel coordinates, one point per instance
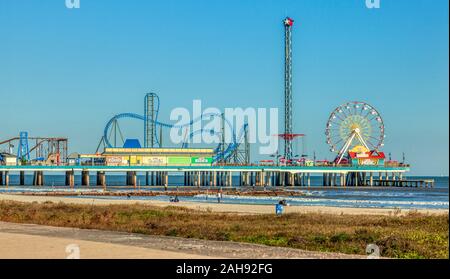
(85, 178)
(6, 178)
(22, 178)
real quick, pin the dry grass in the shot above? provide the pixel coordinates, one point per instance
(412, 236)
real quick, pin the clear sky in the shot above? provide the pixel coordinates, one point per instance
(66, 72)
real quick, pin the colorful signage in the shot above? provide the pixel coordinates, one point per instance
(154, 161)
(178, 160)
(114, 161)
(201, 160)
(368, 162)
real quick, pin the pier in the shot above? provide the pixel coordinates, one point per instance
(405, 183)
(221, 176)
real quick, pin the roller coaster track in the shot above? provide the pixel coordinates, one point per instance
(220, 155)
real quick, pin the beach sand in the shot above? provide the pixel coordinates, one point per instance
(221, 207)
(38, 241)
(24, 246)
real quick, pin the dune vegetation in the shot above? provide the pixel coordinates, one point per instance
(412, 235)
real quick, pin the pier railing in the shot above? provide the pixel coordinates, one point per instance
(331, 165)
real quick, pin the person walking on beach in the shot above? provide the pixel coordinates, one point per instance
(219, 196)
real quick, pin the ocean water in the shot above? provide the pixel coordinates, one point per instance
(364, 197)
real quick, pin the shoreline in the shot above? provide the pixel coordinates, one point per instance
(225, 208)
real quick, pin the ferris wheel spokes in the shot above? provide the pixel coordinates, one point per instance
(350, 125)
(355, 134)
(345, 148)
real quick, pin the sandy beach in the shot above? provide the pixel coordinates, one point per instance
(24, 246)
(22, 241)
(231, 208)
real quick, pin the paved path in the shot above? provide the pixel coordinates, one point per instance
(36, 241)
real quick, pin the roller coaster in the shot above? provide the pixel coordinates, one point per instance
(48, 150)
(236, 151)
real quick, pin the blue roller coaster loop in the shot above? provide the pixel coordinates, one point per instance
(219, 155)
(201, 131)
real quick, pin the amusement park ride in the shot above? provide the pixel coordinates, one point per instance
(351, 125)
(235, 152)
(47, 150)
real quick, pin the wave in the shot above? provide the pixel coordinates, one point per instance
(301, 200)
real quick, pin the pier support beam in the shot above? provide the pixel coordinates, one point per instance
(198, 179)
(85, 178)
(22, 178)
(166, 180)
(7, 178)
(70, 178)
(131, 178)
(101, 179)
(38, 179)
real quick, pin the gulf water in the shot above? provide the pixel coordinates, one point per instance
(364, 197)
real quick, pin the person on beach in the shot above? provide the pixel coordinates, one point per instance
(219, 195)
(283, 202)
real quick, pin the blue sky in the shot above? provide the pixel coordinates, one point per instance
(66, 72)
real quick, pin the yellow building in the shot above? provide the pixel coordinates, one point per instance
(158, 156)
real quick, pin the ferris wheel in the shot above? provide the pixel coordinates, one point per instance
(354, 123)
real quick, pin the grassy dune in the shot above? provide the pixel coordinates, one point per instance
(412, 236)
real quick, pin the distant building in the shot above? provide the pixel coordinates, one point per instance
(91, 159)
(8, 159)
(132, 143)
(73, 159)
(361, 156)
